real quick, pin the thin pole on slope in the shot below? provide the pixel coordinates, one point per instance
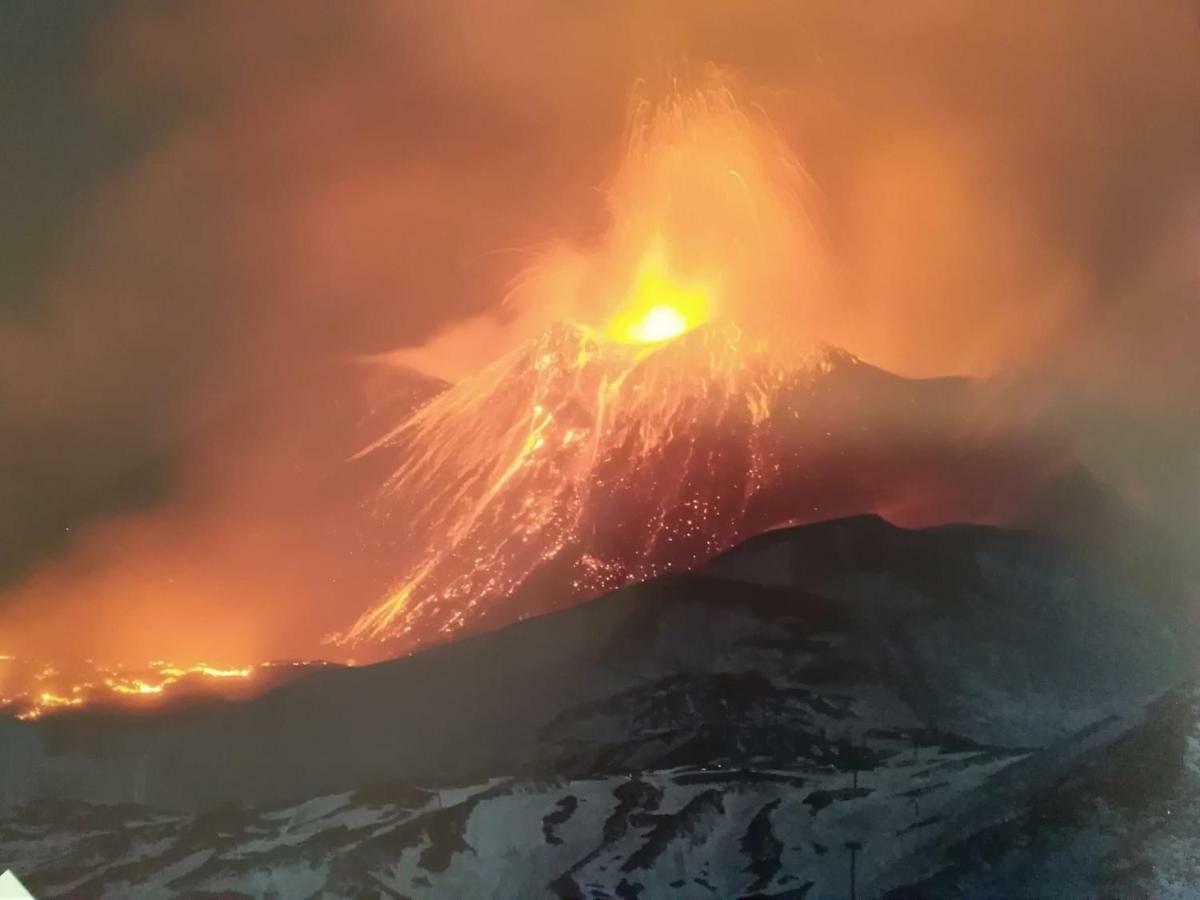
(854, 847)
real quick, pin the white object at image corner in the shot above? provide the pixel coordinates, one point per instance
(12, 889)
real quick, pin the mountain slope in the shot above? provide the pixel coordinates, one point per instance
(1113, 811)
(951, 712)
(575, 465)
(1122, 819)
(992, 636)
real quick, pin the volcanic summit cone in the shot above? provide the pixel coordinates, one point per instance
(576, 464)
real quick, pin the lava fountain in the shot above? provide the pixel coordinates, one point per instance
(637, 433)
(679, 402)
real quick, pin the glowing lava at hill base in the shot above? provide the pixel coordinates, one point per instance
(30, 690)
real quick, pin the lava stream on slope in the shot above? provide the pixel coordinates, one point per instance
(577, 464)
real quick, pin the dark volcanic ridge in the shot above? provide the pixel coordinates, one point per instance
(574, 466)
(961, 709)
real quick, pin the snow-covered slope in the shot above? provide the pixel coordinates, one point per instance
(1114, 811)
(662, 833)
(740, 730)
(1118, 818)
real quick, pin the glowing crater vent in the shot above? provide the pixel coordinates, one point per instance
(660, 306)
(648, 428)
(659, 324)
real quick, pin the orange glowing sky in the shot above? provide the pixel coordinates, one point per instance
(267, 209)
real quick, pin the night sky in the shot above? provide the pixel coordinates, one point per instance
(215, 214)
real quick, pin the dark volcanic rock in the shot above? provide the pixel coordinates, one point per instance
(965, 704)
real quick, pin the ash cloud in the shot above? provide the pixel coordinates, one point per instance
(1003, 191)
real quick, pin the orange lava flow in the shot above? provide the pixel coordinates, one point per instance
(30, 690)
(611, 459)
(630, 437)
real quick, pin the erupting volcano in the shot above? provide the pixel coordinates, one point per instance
(577, 464)
(625, 457)
(678, 395)
(671, 411)
(428, 472)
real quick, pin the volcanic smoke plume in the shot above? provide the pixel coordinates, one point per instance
(683, 404)
(222, 216)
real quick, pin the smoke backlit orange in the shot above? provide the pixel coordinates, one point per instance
(666, 340)
(711, 219)
(984, 211)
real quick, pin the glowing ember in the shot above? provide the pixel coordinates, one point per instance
(47, 700)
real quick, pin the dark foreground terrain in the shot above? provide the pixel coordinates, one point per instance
(841, 708)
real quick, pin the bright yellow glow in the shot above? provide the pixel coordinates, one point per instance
(659, 324)
(659, 307)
